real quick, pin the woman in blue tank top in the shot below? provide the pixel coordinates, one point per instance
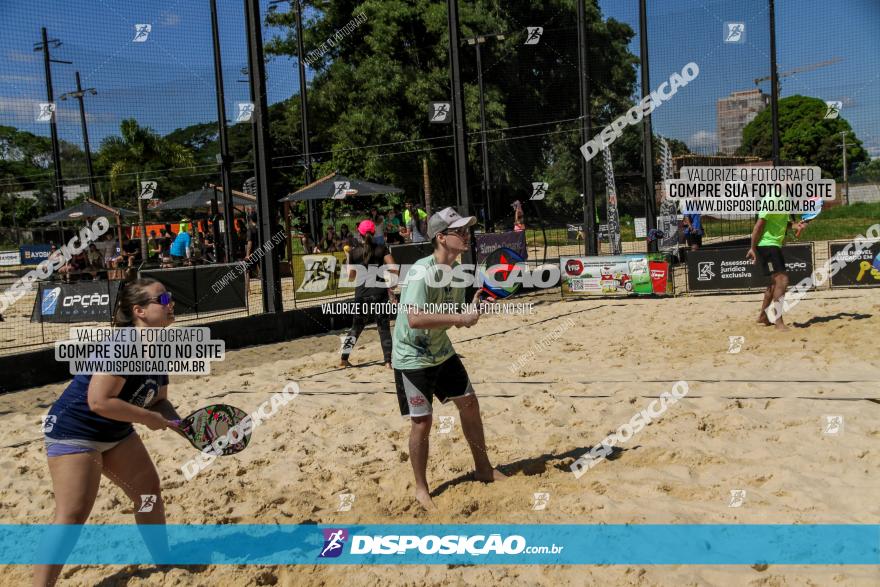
(89, 431)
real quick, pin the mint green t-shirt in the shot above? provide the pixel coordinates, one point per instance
(423, 347)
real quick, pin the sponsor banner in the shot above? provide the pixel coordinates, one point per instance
(319, 272)
(10, 258)
(192, 287)
(487, 243)
(82, 301)
(861, 268)
(459, 544)
(616, 274)
(659, 276)
(718, 269)
(34, 254)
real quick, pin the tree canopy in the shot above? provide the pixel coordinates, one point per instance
(805, 135)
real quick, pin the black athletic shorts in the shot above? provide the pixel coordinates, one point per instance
(771, 259)
(416, 388)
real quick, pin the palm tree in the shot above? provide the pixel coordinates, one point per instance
(137, 151)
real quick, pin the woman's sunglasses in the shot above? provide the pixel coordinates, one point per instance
(163, 299)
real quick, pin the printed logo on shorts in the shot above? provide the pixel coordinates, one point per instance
(417, 400)
(49, 423)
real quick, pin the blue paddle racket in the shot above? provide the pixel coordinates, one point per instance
(501, 264)
(812, 215)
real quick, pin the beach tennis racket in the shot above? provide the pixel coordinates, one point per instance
(207, 424)
(809, 216)
(812, 215)
(501, 264)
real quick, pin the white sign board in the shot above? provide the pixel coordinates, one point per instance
(8, 258)
(641, 227)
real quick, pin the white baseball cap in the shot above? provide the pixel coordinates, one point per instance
(448, 218)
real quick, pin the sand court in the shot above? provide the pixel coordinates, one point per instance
(752, 421)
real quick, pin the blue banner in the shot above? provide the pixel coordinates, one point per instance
(34, 254)
(727, 544)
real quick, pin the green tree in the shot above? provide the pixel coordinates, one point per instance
(868, 172)
(130, 158)
(373, 87)
(805, 136)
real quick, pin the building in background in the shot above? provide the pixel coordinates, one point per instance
(71, 192)
(734, 113)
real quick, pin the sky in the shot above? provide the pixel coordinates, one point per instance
(167, 81)
(807, 32)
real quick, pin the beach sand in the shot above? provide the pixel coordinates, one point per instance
(751, 420)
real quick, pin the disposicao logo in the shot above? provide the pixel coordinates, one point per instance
(334, 541)
(50, 301)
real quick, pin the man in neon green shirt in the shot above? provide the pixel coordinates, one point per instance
(766, 247)
(425, 364)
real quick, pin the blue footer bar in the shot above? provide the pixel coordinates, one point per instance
(670, 544)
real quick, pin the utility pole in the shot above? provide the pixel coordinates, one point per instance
(225, 159)
(774, 86)
(647, 133)
(845, 180)
(267, 205)
(304, 108)
(484, 145)
(50, 97)
(590, 247)
(312, 206)
(458, 118)
(79, 94)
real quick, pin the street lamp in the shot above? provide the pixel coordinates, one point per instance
(487, 181)
(79, 94)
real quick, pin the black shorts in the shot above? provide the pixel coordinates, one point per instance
(694, 239)
(771, 259)
(416, 388)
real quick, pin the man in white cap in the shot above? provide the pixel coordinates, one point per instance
(425, 364)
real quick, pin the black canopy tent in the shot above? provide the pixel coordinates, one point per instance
(207, 198)
(336, 186)
(332, 186)
(86, 209)
(203, 198)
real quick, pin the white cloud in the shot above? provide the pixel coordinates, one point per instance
(24, 110)
(19, 78)
(703, 141)
(22, 56)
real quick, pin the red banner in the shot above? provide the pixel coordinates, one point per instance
(659, 275)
